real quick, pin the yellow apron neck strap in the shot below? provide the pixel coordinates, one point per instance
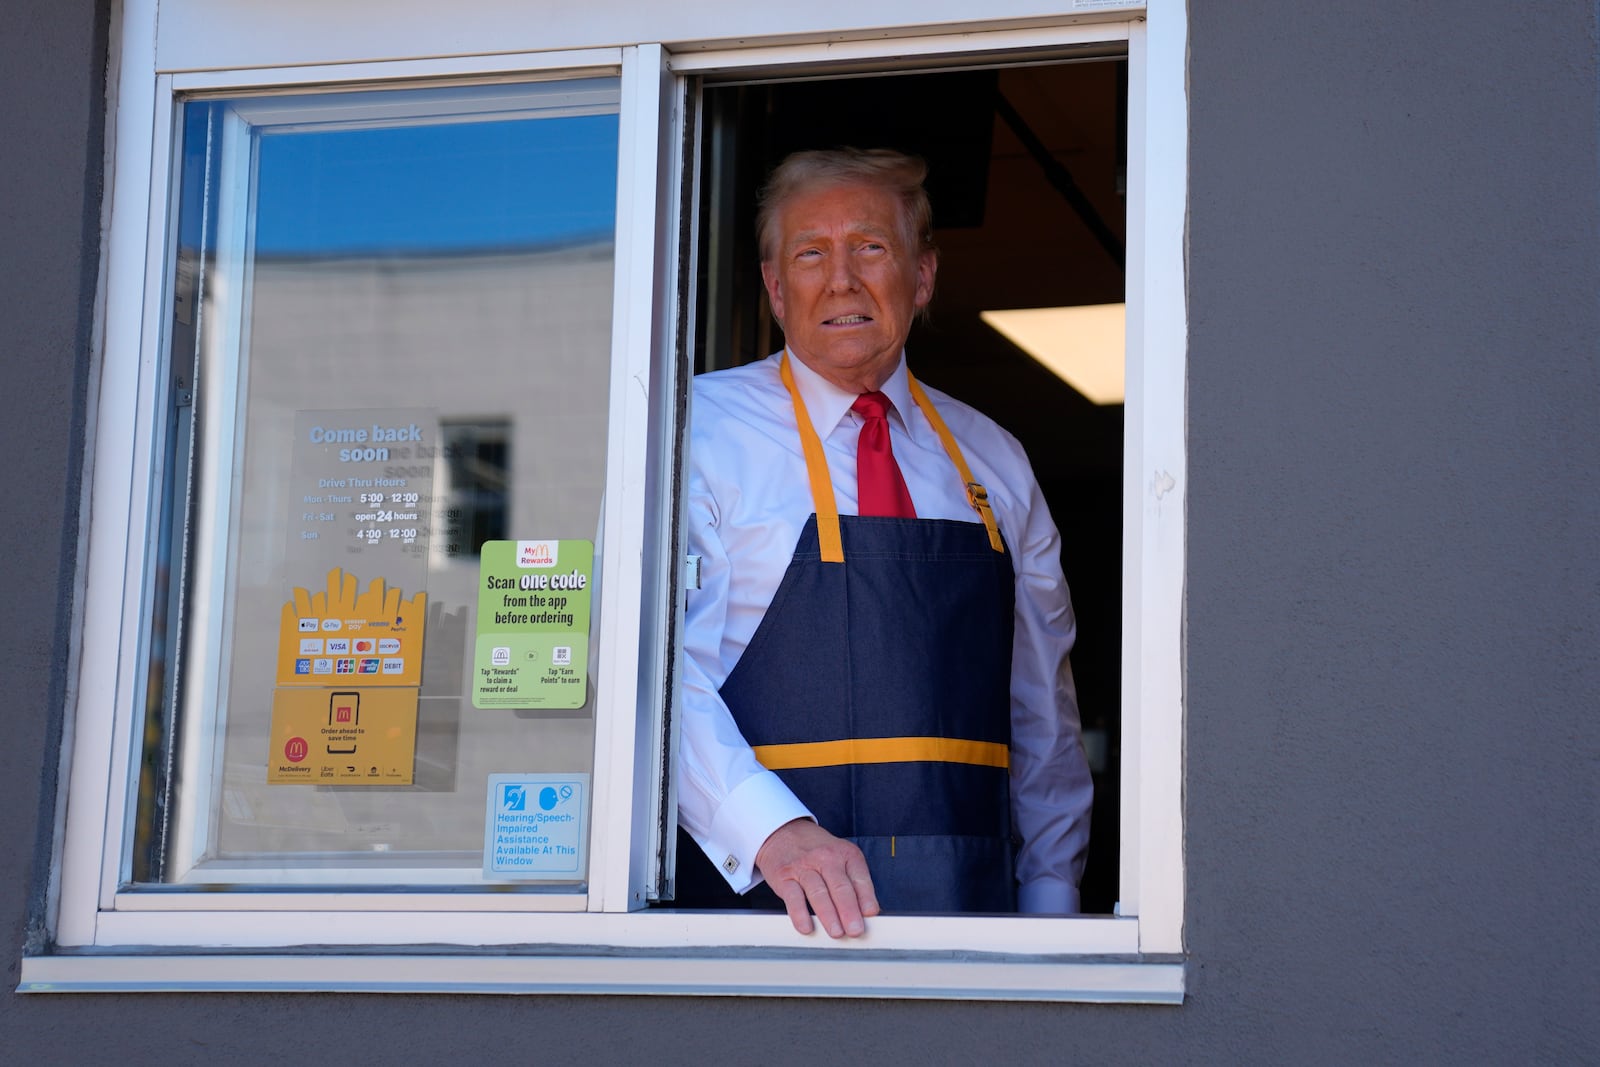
(977, 495)
(822, 497)
(827, 505)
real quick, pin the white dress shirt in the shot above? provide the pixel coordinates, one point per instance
(749, 498)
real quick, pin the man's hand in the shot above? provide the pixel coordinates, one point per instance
(803, 862)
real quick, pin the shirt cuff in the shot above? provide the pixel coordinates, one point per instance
(1047, 896)
(744, 820)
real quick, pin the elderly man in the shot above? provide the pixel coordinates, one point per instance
(877, 705)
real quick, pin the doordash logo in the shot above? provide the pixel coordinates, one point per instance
(536, 553)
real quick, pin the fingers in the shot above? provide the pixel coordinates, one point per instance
(806, 865)
(861, 881)
(794, 902)
(834, 901)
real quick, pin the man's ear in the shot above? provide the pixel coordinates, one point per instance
(773, 281)
(927, 269)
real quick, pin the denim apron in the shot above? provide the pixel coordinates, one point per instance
(877, 687)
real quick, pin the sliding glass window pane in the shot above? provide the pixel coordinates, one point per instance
(370, 640)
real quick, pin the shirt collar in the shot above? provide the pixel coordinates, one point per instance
(827, 404)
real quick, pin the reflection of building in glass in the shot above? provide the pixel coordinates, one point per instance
(471, 486)
(510, 353)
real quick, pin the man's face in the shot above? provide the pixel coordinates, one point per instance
(846, 281)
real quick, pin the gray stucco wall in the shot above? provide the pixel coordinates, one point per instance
(52, 79)
(1393, 594)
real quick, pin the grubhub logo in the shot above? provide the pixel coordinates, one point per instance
(536, 553)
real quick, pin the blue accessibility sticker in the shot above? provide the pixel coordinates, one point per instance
(536, 827)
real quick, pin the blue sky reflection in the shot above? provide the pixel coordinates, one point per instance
(448, 187)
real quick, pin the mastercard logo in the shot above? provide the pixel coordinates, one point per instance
(363, 646)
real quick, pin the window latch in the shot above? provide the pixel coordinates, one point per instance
(691, 572)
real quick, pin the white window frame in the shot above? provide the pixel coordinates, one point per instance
(105, 938)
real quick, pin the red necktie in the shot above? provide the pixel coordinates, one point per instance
(880, 487)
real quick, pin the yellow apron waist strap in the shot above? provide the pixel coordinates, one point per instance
(883, 750)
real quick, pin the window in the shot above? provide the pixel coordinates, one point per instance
(256, 327)
(344, 259)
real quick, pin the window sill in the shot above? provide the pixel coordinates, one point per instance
(760, 972)
(264, 926)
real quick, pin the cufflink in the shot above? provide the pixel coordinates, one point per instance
(731, 864)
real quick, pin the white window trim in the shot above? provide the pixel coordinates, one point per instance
(146, 940)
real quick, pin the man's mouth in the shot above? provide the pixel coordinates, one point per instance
(846, 320)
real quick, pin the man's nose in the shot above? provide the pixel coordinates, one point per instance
(842, 277)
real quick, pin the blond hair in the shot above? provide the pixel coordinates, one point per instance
(894, 172)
